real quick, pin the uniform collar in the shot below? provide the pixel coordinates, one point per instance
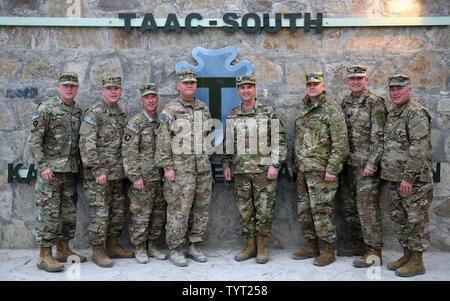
(357, 99)
(149, 118)
(309, 105)
(397, 111)
(193, 104)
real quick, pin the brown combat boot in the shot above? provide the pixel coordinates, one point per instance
(372, 257)
(414, 266)
(63, 252)
(115, 250)
(356, 248)
(263, 249)
(311, 250)
(100, 258)
(326, 256)
(249, 251)
(392, 266)
(47, 262)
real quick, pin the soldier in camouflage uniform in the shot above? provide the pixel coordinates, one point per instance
(255, 170)
(187, 169)
(55, 134)
(406, 165)
(147, 204)
(101, 135)
(365, 114)
(320, 149)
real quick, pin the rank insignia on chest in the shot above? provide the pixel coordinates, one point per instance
(127, 137)
(35, 123)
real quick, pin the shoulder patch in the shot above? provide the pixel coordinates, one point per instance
(90, 120)
(132, 128)
(163, 118)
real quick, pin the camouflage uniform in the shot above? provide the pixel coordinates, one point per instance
(365, 117)
(407, 156)
(255, 194)
(320, 146)
(55, 136)
(147, 205)
(189, 196)
(101, 135)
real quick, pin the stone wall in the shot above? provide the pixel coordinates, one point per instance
(31, 57)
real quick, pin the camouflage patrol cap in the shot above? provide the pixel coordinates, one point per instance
(150, 88)
(245, 79)
(68, 78)
(187, 76)
(112, 81)
(357, 71)
(398, 80)
(314, 77)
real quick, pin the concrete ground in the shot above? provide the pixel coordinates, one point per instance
(21, 265)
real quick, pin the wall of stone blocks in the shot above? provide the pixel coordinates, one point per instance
(31, 57)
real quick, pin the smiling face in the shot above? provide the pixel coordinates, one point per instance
(400, 95)
(150, 103)
(111, 95)
(187, 89)
(247, 92)
(67, 92)
(357, 84)
(314, 90)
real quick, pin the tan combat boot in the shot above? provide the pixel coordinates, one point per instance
(356, 248)
(194, 253)
(372, 257)
(153, 251)
(140, 255)
(115, 250)
(177, 257)
(263, 249)
(311, 250)
(414, 266)
(47, 262)
(100, 258)
(326, 256)
(63, 251)
(392, 266)
(249, 251)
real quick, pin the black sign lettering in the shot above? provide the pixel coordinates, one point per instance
(172, 23)
(127, 17)
(149, 23)
(230, 19)
(188, 24)
(266, 23)
(245, 26)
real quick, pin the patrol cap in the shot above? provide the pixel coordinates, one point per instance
(68, 78)
(245, 79)
(357, 71)
(112, 81)
(398, 80)
(187, 76)
(150, 88)
(314, 77)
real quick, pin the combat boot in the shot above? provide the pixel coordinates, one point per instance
(47, 262)
(326, 256)
(369, 259)
(115, 250)
(153, 251)
(392, 266)
(141, 254)
(311, 250)
(177, 257)
(263, 249)
(100, 258)
(249, 251)
(356, 248)
(414, 266)
(195, 253)
(63, 251)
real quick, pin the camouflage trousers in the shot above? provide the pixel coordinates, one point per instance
(361, 205)
(188, 199)
(315, 199)
(411, 215)
(255, 196)
(107, 209)
(148, 211)
(56, 203)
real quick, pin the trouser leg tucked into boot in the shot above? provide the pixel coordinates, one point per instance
(249, 251)
(372, 257)
(311, 250)
(63, 252)
(327, 256)
(356, 248)
(392, 266)
(262, 255)
(47, 262)
(100, 258)
(195, 253)
(115, 250)
(414, 266)
(177, 257)
(141, 254)
(153, 251)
